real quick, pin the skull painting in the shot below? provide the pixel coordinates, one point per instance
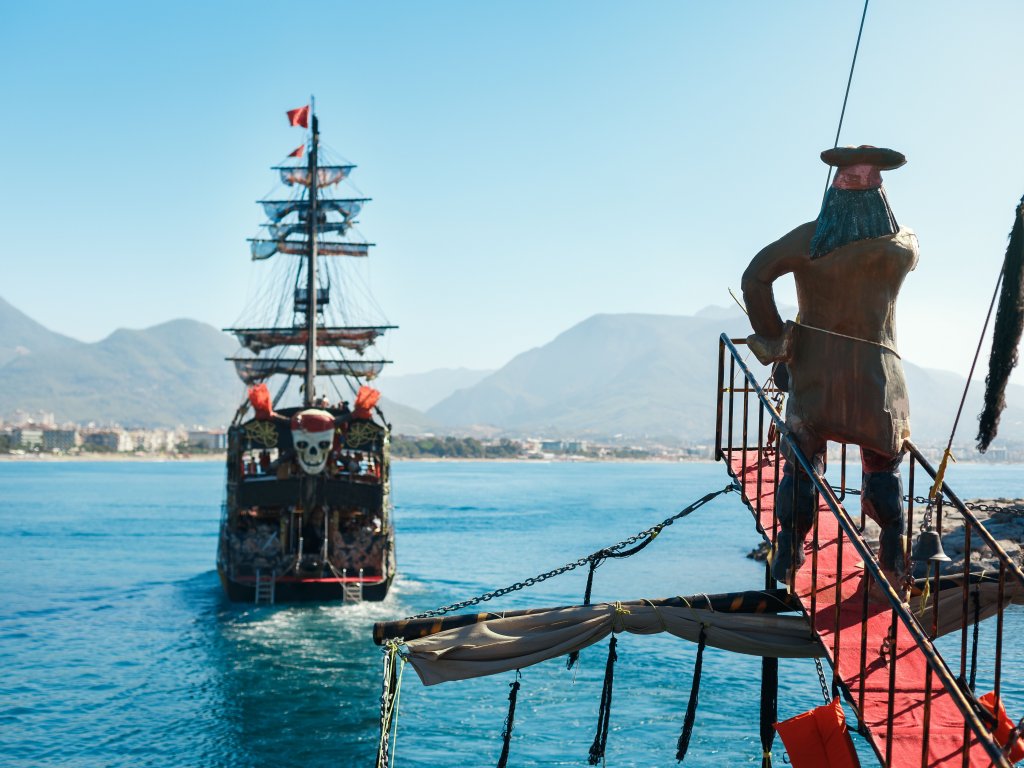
(313, 435)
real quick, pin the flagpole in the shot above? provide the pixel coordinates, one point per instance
(311, 281)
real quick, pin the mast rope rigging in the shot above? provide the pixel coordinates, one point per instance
(683, 744)
(604, 710)
(394, 667)
(506, 735)
(615, 549)
(849, 82)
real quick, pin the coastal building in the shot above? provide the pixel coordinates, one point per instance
(207, 440)
(61, 439)
(109, 440)
(28, 437)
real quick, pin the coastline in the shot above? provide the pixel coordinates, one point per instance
(221, 457)
(107, 457)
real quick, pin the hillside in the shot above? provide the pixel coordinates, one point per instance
(21, 336)
(636, 377)
(653, 377)
(170, 374)
(424, 390)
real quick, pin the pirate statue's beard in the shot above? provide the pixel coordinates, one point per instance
(851, 214)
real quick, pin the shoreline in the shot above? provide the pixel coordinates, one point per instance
(208, 457)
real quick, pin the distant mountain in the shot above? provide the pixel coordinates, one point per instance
(21, 336)
(423, 390)
(641, 377)
(164, 376)
(405, 420)
(167, 375)
(653, 377)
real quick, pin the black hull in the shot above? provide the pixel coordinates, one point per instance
(320, 591)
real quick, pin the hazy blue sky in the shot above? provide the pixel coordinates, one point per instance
(531, 163)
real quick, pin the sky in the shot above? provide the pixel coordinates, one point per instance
(531, 164)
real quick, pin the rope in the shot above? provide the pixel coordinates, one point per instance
(976, 594)
(769, 707)
(575, 655)
(878, 344)
(691, 708)
(846, 97)
(616, 550)
(389, 696)
(605, 709)
(506, 735)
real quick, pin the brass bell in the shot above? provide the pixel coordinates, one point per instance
(929, 548)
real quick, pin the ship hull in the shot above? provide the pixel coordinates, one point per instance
(303, 590)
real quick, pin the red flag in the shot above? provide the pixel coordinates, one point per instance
(299, 116)
(297, 152)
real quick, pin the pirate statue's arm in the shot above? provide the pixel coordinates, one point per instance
(770, 340)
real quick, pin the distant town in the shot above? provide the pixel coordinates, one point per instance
(38, 433)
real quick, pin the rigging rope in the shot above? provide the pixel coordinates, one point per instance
(605, 709)
(506, 735)
(394, 666)
(616, 550)
(691, 708)
(849, 81)
(769, 707)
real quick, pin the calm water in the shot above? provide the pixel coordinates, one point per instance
(118, 649)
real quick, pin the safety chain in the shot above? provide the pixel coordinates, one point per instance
(1015, 509)
(821, 680)
(648, 533)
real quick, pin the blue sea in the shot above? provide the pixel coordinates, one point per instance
(118, 648)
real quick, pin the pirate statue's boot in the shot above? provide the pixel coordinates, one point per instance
(795, 505)
(882, 500)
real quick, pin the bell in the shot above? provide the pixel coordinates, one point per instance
(929, 548)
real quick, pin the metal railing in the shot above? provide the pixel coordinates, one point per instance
(741, 403)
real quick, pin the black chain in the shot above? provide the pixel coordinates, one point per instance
(648, 534)
(821, 680)
(1016, 509)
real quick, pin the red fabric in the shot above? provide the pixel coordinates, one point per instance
(758, 474)
(299, 116)
(297, 152)
(1003, 725)
(259, 396)
(366, 398)
(313, 420)
(819, 738)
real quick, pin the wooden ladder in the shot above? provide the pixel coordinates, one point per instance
(352, 593)
(264, 587)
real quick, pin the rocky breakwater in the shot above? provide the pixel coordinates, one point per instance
(1002, 518)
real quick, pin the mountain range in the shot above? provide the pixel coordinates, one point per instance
(635, 377)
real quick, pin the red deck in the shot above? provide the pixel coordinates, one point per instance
(855, 648)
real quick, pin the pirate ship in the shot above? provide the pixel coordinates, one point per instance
(307, 513)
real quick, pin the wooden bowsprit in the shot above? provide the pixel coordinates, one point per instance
(914, 709)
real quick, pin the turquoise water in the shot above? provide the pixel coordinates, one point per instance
(119, 650)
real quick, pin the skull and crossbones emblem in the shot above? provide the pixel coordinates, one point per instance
(313, 436)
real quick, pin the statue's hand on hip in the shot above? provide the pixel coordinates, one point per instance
(771, 349)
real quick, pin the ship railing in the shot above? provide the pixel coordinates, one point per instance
(749, 425)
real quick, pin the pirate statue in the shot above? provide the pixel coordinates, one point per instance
(846, 379)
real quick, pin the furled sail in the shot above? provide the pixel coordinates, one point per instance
(325, 177)
(253, 370)
(354, 338)
(281, 231)
(264, 249)
(504, 644)
(278, 209)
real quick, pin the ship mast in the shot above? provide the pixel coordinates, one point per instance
(311, 284)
